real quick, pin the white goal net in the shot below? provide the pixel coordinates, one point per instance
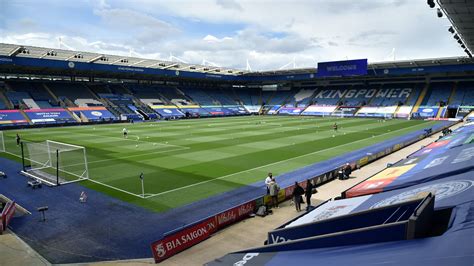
(55, 163)
(338, 113)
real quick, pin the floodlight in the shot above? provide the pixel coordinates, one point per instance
(451, 29)
(440, 14)
(431, 3)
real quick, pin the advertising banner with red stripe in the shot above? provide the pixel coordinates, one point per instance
(235, 214)
(181, 240)
(186, 238)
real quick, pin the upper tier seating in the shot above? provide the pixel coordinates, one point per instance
(87, 102)
(359, 95)
(328, 95)
(437, 93)
(220, 96)
(300, 97)
(143, 91)
(30, 95)
(280, 97)
(71, 91)
(174, 95)
(199, 96)
(248, 96)
(16, 97)
(464, 95)
(3, 105)
(37, 92)
(392, 95)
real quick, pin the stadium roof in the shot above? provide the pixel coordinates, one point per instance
(14, 50)
(96, 58)
(461, 15)
(383, 65)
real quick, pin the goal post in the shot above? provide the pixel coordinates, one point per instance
(338, 113)
(55, 163)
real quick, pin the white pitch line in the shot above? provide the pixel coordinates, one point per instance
(130, 138)
(270, 164)
(112, 187)
(130, 156)
(100, 183)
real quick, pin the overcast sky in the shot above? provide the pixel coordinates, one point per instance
(269, 34)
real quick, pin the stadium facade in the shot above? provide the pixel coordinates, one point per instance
(49, 86)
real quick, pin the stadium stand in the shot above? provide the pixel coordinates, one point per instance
(199, 96)
(230, 93)
(279, 97)
(359, 95)
(266, 96)
(73, 94)
(329, 95)
(464, 95)
(392, 94)
(243, 95)
(121, 106)
(255, 97)
(301, 97)
(4, 102)
(438, 94)
(141, 101)
(143, 91)
(100, 88)
(175, 95)
(414, 95)
(219, 96)
(18, 99)
(40, 98)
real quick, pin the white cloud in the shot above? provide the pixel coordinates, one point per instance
(270, 33)
(229, 4)
(210, 38)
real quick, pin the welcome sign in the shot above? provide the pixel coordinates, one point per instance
(342, 68)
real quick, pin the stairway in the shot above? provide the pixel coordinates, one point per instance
(7, 102)
(51, 93)
(453, 92)
(420, 98)
(26, 117)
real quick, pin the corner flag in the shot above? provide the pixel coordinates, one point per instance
(141, 176)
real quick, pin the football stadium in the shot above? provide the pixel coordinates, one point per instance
(111, 152)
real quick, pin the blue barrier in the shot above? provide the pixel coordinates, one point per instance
(348, 222)
(11, 118)
(45, 116)
(169, 112)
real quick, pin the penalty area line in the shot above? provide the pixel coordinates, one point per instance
(136, 155)
(118, 189)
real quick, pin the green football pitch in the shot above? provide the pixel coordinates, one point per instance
(187, 160)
